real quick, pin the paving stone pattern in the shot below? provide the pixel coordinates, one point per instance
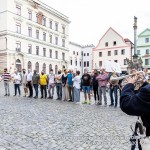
(43, 124)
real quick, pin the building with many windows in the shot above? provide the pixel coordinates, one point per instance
(143, 47)
(32, 36)
(112, 47)
(80, 57)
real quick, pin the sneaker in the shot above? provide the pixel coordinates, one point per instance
(5, 95)
(89, 102)
(99, 103)
(85, 102)
(111, 105)
(8, 95)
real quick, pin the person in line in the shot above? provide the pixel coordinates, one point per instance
(86, 80)
(17, 82)
(70, 85)
(24, 82)
(76, 85)
(59, 85)
(91, 84)
(6, 77)
(35, 83)
(113, 89)
(95, 86)
(64, 86)
(102, 82)
(51, 84)
(137, 103)
(29, 81)
(43, 84)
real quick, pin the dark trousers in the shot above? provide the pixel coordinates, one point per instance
(114, 90)
(59, 90)
(43, 88)
(96, 93)
(36, 89)
(71, 92)
(17, 86)
(30, 89)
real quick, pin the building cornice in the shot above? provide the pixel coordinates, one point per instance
(143, 46)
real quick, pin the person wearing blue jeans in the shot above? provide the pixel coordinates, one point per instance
(114, 90)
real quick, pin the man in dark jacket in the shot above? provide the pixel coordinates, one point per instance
(137, 103)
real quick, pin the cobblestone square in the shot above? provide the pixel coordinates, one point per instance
(43, 124)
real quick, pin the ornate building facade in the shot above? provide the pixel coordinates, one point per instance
(32, 36)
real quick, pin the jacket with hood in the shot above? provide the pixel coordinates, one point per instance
(137, 104)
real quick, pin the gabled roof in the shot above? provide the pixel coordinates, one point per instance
(146, 32)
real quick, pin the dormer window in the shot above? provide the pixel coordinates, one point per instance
(114, 43)
(106, 44)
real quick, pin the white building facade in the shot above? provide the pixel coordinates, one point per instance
(80, 57)
(32, 36)
(112, 47)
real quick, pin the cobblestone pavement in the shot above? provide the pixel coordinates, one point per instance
(43, 124)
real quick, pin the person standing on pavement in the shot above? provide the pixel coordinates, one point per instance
(64, 86)
(29, 81)
(35, 83)
(43, 84)
(76, 85)
(59, 85)
(51, 84)
(17, 82)
(95, 86)
(86, 80)
(102, 82)
(24, 82)
(70, 86)
(6, 77)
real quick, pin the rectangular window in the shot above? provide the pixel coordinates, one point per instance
(63, 42)
(56, 26)
(100, 54)
(146, 40)
(37, 50)
(106, 44)
(87, 54)
(87, 63)
(37, 18)
(146, 61)
(50, 53)
(30, 15)
(100, 63)
(50, 37)
(44, 21)
(84, 63)
(71, 61)
(114, 43)
(84, 54)
(77, 54)
(30, 49)
(125, 62)
(44, 52)
(29, 31)
(50, 24)
(37, 34)
(109, 53)
(63, 29)
(18, 28)
(147, 51)
(56, 40)
(44, 36)
(123, 52)
(116, 52)
(63, 56)
(76, 63)
(116, 61)
(73, 52)
(18, 10)
(138, 52)
(80, 63)
(18, 46)
(56, 54)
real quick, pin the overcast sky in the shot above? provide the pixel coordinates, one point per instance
(90, 19)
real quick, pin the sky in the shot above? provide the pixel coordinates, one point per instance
(90, 19)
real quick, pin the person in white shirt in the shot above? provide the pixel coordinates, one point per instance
(76, 85)
(29, 81)
(51, 84)
(24, 82)
(17, 82)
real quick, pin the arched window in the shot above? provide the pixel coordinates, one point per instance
(37, 67)
(56, 69)
(44, 68)
(18, 65)
(50, 67)
(29, 65)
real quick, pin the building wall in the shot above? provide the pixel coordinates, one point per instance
(13, 19)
